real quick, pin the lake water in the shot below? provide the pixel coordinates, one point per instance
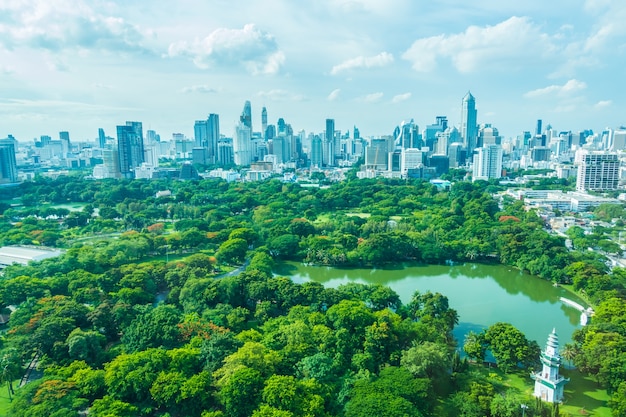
(481, 294)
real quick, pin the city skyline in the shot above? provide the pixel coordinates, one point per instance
(82, 65)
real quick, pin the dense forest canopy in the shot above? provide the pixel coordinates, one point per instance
(168, 306)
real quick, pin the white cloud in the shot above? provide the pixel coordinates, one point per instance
(603, 104)
(250, 47)
(373, 97)
(57, 65)
(571, 86)
(44, 107)
(401, 97)
(280, 95)
(202, 88)
(380, 60)
(480, 48)
(6, 70)
(334, 95)
(65, 24)
(373, 7)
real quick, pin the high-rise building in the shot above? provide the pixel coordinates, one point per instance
(457, 154)
(130, 147)
(8, 163)
(469, 125)
(377, 153)
(538, 129)
(597, 171)
(408, 136)
(200, 133)
(206, 135)
(225, 152)
(429, 137)
(213, 136)
(102, 139)
(45, 140)
(64, 137)
(619, 140)
(242, 145)
(152, 137)
(487, 163)
(445, 138)
(246, 115)
(329, 143)
(412, 158)
(316, 151)
(488, 135)
(281, 127)
(264, 123)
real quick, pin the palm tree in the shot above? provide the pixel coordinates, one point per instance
(10, 368)
(569, 353)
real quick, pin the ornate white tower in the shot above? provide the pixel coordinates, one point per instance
(548, 383)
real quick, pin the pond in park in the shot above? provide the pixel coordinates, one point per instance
(481, 294)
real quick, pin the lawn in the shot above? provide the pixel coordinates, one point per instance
(5, 403)
(583, 396)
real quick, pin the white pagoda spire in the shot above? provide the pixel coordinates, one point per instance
(548, 383)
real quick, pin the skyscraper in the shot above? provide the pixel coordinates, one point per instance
(200, 133)
(102, 139)
(469, 126)
(242, 144)
(213, 136)
(329, 143)
(246, 115)
(130, 147)
(65, 136)
(8, 164)
(206, 134)
(316, 151)
(408, 135)
(264, 123)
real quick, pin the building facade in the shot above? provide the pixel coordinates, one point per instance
(130, 148)
(8, 163)
(598, 171)
(487, 163)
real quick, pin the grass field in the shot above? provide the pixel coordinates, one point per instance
(583, 396)
(5, 403)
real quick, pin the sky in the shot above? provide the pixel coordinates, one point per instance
(77, 65)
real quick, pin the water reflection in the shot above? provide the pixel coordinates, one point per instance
(481, 294)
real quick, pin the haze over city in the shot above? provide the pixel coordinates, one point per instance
(80, 65)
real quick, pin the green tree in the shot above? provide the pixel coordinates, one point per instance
(10, 368)
(110, 407)
(285, 246)
(510, 347)
(241, 393)
(154, 328)
(232, 251)
(427, 359)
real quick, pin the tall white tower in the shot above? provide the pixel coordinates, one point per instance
(469, 125)
(548, 383)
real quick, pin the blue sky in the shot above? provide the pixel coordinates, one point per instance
(80, 65)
